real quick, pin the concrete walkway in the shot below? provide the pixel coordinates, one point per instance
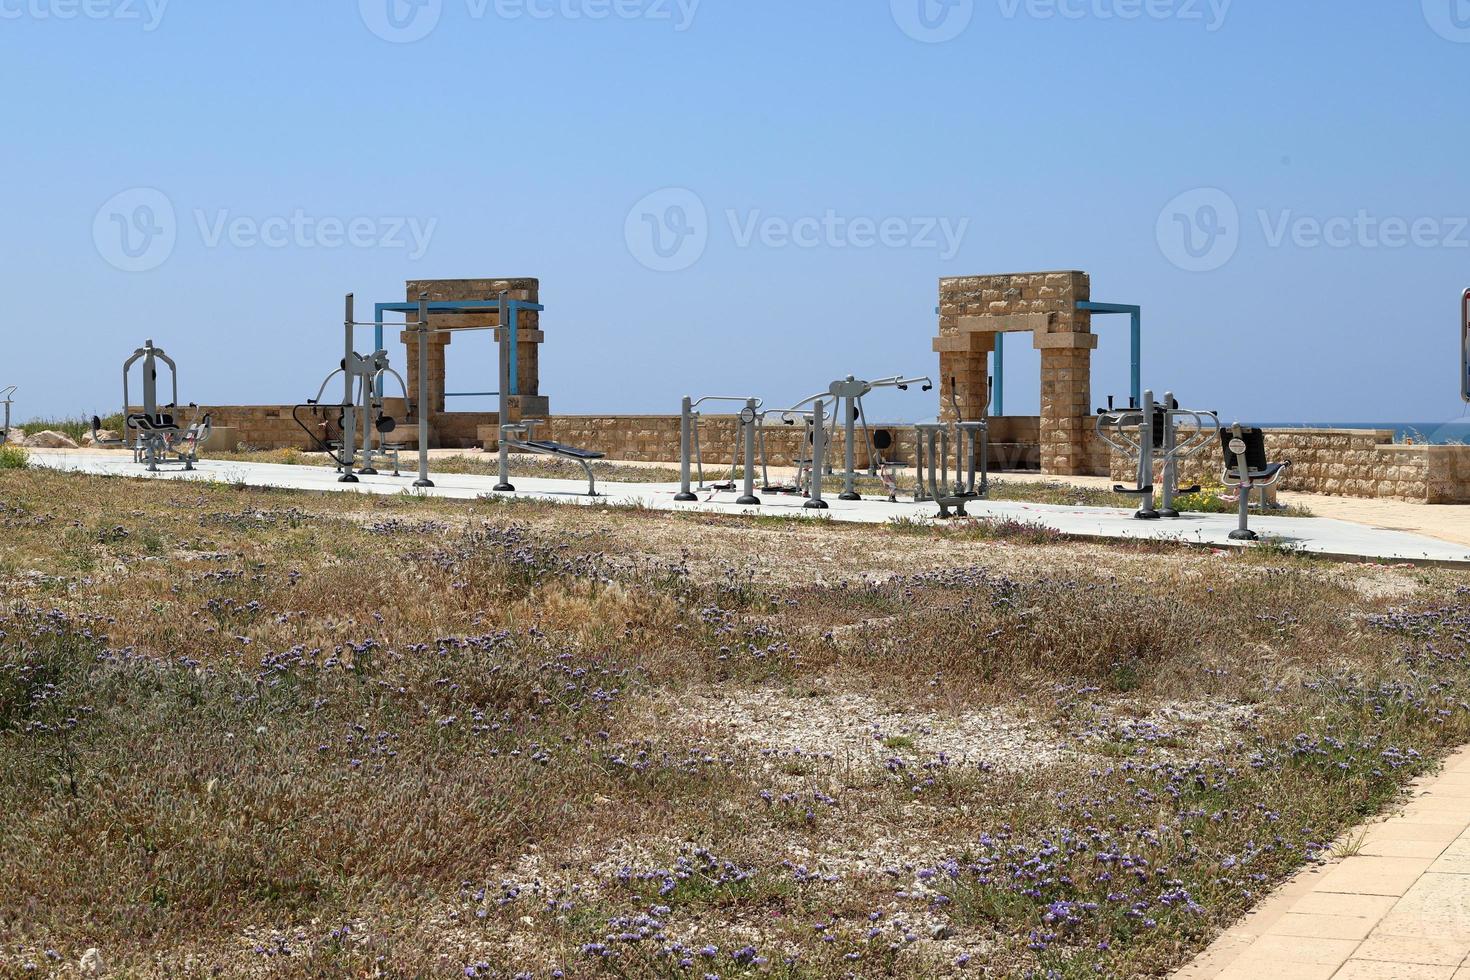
(1313, 535)
(1397, 909)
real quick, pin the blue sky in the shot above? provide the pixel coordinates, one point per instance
(1314, 152)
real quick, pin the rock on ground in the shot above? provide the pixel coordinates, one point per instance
(50, 439)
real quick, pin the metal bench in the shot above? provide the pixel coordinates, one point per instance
(546, 447)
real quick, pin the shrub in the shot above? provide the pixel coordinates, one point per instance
(13, 458)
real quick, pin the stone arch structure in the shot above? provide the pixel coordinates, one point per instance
(464, 429)
(973, 309)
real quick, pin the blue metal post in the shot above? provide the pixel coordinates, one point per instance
(515, 347)
(999, 397)
(1138, 355)
(1136, 315)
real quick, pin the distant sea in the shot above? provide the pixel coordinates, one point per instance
(1421, 432)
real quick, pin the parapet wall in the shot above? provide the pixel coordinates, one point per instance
(1348, 463)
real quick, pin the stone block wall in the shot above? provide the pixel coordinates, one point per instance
(1347, 463)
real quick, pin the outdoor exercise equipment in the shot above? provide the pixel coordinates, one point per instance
(7, 398)
(157, 435)
(1465, 346)
(691, 457)
(505, 332)
(971, 458)
(526, 444)
(1151, 432)
(849, 393)
(361, 406)
(818, 435)
(1247, 468)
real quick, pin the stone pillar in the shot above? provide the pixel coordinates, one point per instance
(437, 344)
(1066, 402)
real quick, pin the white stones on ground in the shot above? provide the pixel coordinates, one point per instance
(50, 439)
(92, 964)
(15, 436)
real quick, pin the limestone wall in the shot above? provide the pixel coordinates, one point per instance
(1348, 463)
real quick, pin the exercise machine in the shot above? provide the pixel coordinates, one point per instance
(847, 396)
(1465, 346)
(691, 455)
(518, 436)
(157, 436)
(971, 458)
(1151, 432)
(7, 399)
(361, 409)
(1247, 468)
(513, 435)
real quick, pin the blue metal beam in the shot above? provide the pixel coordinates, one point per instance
(512, 307)
(1136, 315)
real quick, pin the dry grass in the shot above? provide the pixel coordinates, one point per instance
(256, 732)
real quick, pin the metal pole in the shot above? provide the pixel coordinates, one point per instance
(819, 450)
(349, 411)
(686, 425)
(1146, 511)
(1137, 342)
(747, 421)
(504, 486)
(423, 406)
(1000, 374)
(849, 451)
(1171, 461)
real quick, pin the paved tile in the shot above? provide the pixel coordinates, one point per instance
(1301, 949)
(1432, 950)
(1389, 847)
(1246, 969)
(1443, 831)
(1373, 907)
(1325, 926)
(1364, 875)
(1419, 924)
(1371, 970)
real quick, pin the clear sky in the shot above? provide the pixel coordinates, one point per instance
(741, 195)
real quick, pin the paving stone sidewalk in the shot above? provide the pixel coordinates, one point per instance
(1398, 908)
